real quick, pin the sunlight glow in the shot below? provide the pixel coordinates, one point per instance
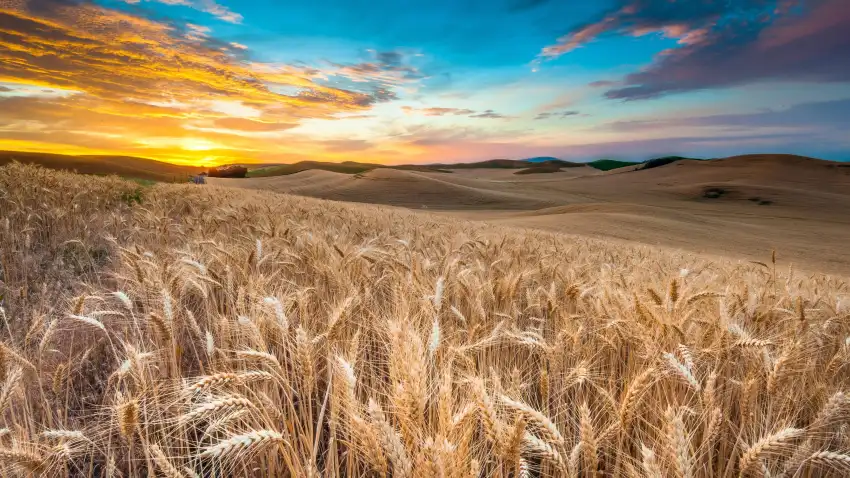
(198, 144)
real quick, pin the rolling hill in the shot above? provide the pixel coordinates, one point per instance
(743, 206)
(508, 164)
(389, 186)
(352, 167)
(143, 168)
(126, 166)
(346, 167)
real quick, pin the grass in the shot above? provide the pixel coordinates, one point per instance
(609, 164)
(658, 162)
(225, 332)
(141, 181)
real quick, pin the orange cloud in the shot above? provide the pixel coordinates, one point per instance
(158, 89)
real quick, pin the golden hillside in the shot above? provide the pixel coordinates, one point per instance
(742, 207)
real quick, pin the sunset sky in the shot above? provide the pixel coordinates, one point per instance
(414, 81)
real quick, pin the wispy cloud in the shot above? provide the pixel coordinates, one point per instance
(723, 43)
(489, 114)
(805, 47)
(486, 114)
(208, 6)
(556, 114)
(435, 135)
(823, 116)
(683, 20)
(387, 68)
(437, 111)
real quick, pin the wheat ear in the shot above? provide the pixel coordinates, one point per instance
(164, 464)
(241, 445)
(769, 444)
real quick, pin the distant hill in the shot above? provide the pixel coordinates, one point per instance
(126, 166)
(609, 164)
(346, 167)
(352, 167)
(149, 169)
(508, 164)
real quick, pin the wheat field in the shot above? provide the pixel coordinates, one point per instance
(186, 331)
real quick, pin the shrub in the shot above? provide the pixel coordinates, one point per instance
(229, 171)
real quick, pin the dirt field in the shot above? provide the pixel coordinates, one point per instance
(742, 207)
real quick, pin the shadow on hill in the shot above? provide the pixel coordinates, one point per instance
(658, 162)
(545, 169)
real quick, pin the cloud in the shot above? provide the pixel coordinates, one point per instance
(723, 44)
(346, 145)
(110, 54)
(154, 87)
(811, 47)
(489, 114)
(437, 111)
(384, 68)
(208, 6)
(676, 19)
(250, 125)
(432, 135)
(486, 114)
(197, 33)
(811, 129)
(697, 146)
(354, 117)
(557, 114)
(389, 58)
(825, 117)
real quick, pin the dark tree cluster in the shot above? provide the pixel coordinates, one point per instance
(229, 171)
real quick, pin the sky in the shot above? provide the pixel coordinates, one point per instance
(207, 82)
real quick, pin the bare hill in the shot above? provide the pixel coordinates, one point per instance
(393, 187)
(354, 167)
(507, 164)
(743, 206)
